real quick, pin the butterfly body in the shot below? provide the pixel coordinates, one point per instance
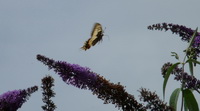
(96, 36)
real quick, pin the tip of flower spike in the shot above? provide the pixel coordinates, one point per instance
(181, 30)
(13, 100)
(39, 56)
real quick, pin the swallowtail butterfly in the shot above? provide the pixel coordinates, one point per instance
(96, 36)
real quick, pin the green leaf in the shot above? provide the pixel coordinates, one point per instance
(175, 55)
(174, 98)
(192, 60)
(190, 100)
(192, 38)
(167, 77)
(191, 68)
(185, 106)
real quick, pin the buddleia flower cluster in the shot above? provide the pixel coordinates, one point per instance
(48, 93)
(185, 34)
(84, 78)
(153, 101)
(191, 82)
(13, 100)
(188, 82)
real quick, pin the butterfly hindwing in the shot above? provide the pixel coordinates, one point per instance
(96, 36)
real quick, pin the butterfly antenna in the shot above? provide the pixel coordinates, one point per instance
(104, 29)
(106, 35)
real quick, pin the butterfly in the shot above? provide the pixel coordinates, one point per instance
(96, 36)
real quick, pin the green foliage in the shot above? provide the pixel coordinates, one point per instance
(175, 55)
(192, 60)
(174, 98)
(191, 68)
(190, 100)
(192, 38)
(167, 77)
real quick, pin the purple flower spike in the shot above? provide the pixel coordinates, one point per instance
(181, 30)
(12, 100)
(83, 78)
(190, 81)
(185, 34)
(73, 74)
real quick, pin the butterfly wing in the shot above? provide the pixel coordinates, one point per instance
(96, 36)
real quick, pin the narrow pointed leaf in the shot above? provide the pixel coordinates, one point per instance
(175, 55)
(192, 38)
(167, 77)
(174, 98)
(191, 68)
(192, 60)
(185, 107)
(190, 100)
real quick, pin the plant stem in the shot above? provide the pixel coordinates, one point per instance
(183, 83)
